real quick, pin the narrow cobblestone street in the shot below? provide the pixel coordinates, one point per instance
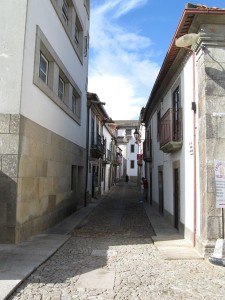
(112, 256)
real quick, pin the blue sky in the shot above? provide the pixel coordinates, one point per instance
(128, 43)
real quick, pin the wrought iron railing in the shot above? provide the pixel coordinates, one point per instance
(98, 144)
(147, 150)
(109, 155)
(171, 126)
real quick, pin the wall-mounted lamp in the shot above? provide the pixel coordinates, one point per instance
(136, 134)
(187, 40)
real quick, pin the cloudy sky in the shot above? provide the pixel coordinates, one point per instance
(128, 43)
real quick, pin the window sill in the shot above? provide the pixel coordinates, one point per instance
(50, 94)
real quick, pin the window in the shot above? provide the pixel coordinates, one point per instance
(71, 21)
(86, 45)
(43, 68)
(128, 132)
(76, 35)
(61, 88)
(73, 177)
(87, 6)
(132, 164)
(53, 79)
(132, 148)
(158, 124)
(92, 131)
(76, 104)
(65, 11)
(176, 113)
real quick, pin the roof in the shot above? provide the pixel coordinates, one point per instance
(126, 123)
(93, 98)
(189, 13)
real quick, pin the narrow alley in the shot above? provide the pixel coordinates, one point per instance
(111, 255)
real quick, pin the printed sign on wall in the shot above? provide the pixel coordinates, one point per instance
(219, 167)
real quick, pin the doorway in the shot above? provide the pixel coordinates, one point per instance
(150, 179)
(160, 182)
(176, 181)
(94, 181)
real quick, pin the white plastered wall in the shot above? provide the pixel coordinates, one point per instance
(11, 54)
(35, 105)
(184, 156)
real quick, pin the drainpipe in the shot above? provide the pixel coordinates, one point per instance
(193, 106)
(194, 146)
(87, 152)
(178, 44)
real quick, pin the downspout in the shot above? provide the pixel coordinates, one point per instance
(193, 106)
(194, 146)
(87, 152)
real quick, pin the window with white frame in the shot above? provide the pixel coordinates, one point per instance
(86, 45)
(76, 35)
(65, 11)
(43, 68)
(128, 132)
(72, 23)
(87, 6)
(53, 79)
(132, 164)
(132, 148)
(76, 104)
(61, 88)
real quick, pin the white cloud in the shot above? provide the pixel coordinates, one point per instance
(120, 70)
(126, 6)
(118, 93)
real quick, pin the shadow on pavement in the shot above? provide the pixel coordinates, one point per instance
(114, 229)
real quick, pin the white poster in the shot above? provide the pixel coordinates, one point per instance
(219, 167)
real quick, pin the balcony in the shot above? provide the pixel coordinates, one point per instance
(107, 157)
(170, 131)
(117, 159)
(98, 147)
(147, 150)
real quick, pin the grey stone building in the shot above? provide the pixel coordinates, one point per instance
(44, 62)
(184, 119)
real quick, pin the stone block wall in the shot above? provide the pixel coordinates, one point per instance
(9, 145)
(45, 193)
(37, 170)
(211, 100)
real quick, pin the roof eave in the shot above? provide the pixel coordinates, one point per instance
(182, 29)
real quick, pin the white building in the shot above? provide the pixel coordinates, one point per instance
(44, 60)
(129, 147)
(101, 155)
(184, 133)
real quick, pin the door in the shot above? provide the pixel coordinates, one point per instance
(176, 197)
(160, 182)
(150, 179)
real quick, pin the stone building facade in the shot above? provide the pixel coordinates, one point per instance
(42, 114)
(184, 119)
(211, 122)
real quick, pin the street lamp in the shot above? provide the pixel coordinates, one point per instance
(136, 134)
(187, 40)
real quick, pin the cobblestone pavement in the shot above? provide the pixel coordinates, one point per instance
(116, 239)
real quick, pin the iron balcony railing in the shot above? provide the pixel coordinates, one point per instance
(147, 150)
(170, 129)
(109, 155)
(98, 144)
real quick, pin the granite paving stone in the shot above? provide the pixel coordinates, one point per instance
(117, 239)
